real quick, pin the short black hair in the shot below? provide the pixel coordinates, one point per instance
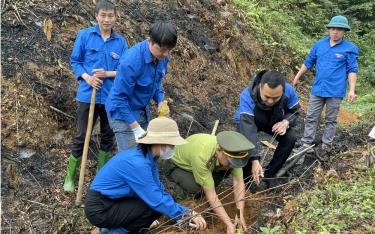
(273, 79)
(104, 5)
(164, 34)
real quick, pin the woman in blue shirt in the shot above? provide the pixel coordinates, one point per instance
(127, 192)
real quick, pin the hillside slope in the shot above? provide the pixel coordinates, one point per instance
(215, 57)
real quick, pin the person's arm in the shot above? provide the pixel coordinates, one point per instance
(218, 208)
(239, 197)
(352, 77)
(247, 126)
(352, 70)
(77, 60)
(159, 92)
(308, 64)
(142, 182)
(101, 73)
(300, 73)
(122, 90)
(293, 108)
(203, 177)
(77, 56)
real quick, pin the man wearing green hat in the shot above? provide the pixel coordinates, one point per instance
(335, 60)
(205, 161)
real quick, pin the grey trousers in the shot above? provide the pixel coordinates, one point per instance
(314, 110)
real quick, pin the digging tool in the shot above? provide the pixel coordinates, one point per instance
(302, 152)
(86, 148)
(293, 160)
(215, 127)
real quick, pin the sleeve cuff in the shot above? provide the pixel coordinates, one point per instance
(79, 72)
(129, 119)
(308, 65)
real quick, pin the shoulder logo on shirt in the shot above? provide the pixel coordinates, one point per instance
(339, 55)
(114, 55)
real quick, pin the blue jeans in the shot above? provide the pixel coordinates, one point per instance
(125, 138)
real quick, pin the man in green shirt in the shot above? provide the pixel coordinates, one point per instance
(205, 161)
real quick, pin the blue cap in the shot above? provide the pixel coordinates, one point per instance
(339, 21)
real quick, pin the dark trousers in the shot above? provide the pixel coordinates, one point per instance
(282, 152)
(106, 134)
(130, 213)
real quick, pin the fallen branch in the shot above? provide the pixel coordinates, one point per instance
(61, 112)
(38, 203)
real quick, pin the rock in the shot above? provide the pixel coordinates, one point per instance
(26, 153)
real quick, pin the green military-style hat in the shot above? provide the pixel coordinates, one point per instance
(236, 147)
(339, 21)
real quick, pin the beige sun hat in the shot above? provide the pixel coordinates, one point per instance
(162, 130)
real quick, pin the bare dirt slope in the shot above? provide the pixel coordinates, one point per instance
(214, 59)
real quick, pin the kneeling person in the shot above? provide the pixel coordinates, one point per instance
(204, 162)
(127, 192)
(269, 104)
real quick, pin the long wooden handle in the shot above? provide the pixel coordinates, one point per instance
(86, 148)
(215, 127)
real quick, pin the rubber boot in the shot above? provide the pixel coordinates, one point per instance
(103, 158)
(73, 163)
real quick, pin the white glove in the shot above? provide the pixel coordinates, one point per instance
(138, 132)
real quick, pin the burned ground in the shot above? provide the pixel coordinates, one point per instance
(215, 57)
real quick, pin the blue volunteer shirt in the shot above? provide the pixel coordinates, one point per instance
(131, 174)
(139, 79)
(247, 104)
(90, 52)
(333, 64)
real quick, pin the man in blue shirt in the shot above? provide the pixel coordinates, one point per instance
(127, 193)
(271, 105)
(140, 79)
(335, 60)
(94, 60)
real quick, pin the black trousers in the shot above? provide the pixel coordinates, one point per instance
(106, 134)
(282, 152)
(129, 212)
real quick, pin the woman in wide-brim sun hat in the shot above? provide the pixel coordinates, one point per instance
(163, 130)
(127, 195)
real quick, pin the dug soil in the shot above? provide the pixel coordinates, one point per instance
(216, 55)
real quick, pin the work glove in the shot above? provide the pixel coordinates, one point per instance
(138, 132)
